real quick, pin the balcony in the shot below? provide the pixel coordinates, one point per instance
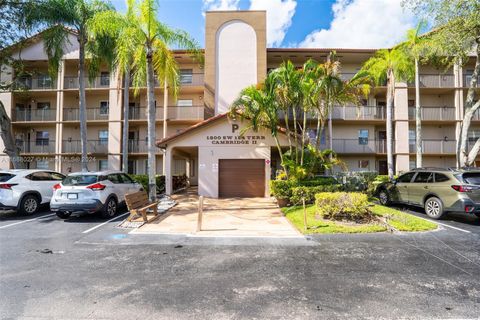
(43, 82)
(353, 146)
(435, 81)
(43, 146)
(359, 113)
(137, 146)
(93, 146)
(433, 113)
(22, 115)
(430, 146)
(93, 114)
(466, 81)
(173, 113)
(71, 82)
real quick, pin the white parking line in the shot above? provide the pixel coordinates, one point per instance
(104, 223)
(23, 221)
(448, 226)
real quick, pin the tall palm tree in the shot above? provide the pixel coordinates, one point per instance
(143, 44)
(61, 16)
(390, 66)
(414, 47)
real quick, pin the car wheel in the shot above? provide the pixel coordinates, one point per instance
(384, 198)
(29, 204)
(434, 208)
(63, 215)
(110, 208)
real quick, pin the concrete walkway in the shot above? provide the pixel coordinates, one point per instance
(247, 217)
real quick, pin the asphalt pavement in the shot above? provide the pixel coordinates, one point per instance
(88, 268)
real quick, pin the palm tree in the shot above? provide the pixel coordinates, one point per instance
(61, 16)
(143, 46)
(415, 46)
(389, 66)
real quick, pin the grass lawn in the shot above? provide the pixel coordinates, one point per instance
(403, 221)
(399, 220)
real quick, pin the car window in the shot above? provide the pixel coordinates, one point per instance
(424, 177)
(4, 177)
(54, 176)
(114, 178)
(407, 177)
(472, 178)
(83, 180)
(40, 176)
(126, 178)
(440, 177)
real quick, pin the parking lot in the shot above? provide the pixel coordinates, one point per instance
(87, 268)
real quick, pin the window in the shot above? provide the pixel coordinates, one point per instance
(405, 178)
(440, 177)
(39, 176)
(102, 165)
(412, 136)
(472, 178)
(363, 136)
(363, 164)
(424, 177)
(103, 137)
(42, 164)
(4, 177)
(114, 178)
(185, 103)
(44, 81)
(104, 108)
(105, 78)
(42, 138)
(125, 178)
(43, 105)
(186, 76)
(131, 167)
(80, 180)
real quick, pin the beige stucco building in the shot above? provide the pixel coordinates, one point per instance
(46, 127)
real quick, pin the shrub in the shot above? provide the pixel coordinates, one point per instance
(318, 181)
(281, 189)
(298, 193)
(342, 205)
(143, 180)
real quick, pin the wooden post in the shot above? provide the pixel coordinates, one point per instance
(200, 213)
(304, 214)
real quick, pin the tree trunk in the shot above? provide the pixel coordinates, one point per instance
(294, 110)
(165, 123)
(151, 111)
(303, 135)
(287, 128)
(126, 98)
(82, 104)
(390, 92)
(280, 153)
(330, 131)
(472, 155)
(470, 107)
(418, 117)
(6, 134)
(318, 137)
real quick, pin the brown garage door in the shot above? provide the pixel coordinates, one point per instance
(241, 178)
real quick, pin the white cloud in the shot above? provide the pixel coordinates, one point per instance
(279, 17)
(214, 5)
(363, 24)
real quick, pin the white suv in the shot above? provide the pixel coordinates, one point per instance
(25, 190)
(90, 192)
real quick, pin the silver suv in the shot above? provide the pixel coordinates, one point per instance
(90, 192)
(25, 190)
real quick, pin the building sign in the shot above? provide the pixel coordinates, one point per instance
(235, 139)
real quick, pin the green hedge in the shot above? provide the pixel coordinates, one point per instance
(283, 189)
(298, 193)
(342, 205)
(143, 180)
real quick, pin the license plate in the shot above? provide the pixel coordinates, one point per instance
(72, 196)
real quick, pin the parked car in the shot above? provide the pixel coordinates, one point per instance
(25, 190)
(436, 190)
(91, 192)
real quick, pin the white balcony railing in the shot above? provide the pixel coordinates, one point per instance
(433, 113)
(22, 115)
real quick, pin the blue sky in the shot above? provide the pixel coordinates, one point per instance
(302, 23)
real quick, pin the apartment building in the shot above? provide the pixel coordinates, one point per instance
(192, 130)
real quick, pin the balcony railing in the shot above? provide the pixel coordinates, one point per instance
(467, 79)
(433, 113)
(354, 146)
(137, 146)
(435, 81)
(34, 115)
(359, 113)
(36, 146)
(93, 146)
(71, 82)
(73, 114)
(432, 146)
(173, 113)
(34, 83)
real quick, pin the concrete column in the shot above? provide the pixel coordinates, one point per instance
(7, 100)
(167, 160)
(115, 123)
(459, 103)
(59, 117)
(401, 126)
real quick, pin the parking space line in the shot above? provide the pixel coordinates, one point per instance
(23, 221)
(104, 223)
(456, 228)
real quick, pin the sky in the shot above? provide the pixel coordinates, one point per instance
(302, 23)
